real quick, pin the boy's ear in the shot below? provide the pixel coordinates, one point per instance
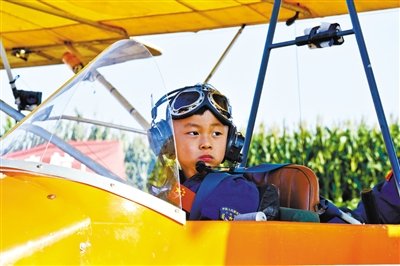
(234, 145)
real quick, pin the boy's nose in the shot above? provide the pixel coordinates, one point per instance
(205, 146)
(205, 143)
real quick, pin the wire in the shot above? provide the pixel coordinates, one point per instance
(299, 98)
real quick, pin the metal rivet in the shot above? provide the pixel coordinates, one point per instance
(84, 246)
(51, 196)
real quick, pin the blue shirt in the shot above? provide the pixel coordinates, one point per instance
(233, 195)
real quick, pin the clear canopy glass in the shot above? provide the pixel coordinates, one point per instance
(98, 122)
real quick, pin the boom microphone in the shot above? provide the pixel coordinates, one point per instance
(202, 168)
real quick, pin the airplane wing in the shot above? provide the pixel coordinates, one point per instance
(41, 31)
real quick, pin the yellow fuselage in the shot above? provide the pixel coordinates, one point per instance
(49, 220)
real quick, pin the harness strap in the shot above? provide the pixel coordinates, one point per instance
(209, 183)
(191, 201)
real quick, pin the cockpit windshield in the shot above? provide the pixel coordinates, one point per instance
(97, 125)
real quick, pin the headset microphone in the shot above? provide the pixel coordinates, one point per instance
(202, 168)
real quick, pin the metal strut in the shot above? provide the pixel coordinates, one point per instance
(224, 54)
(394, 161)
(375, 94)
(260, 80)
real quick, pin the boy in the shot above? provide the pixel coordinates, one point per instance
(205, 135)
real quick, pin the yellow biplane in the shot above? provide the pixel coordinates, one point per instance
(79, 182)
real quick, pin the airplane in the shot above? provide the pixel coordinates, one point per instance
(80, 183)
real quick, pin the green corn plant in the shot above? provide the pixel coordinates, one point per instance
(346, 158)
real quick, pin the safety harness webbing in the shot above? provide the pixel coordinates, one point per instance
(191, 201)
(209, 183)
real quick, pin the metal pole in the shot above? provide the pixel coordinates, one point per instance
(3, 106)
(124, 102)
(7, 66)
(260, 80)
(375, 93)
(224, 54)
(11, 111)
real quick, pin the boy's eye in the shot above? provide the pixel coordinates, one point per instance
(217, 133)
(193, 133)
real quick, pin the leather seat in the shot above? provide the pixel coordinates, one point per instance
(298, 186)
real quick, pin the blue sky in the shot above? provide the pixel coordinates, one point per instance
(324, 85)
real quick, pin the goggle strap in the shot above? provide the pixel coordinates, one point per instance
(162, 100)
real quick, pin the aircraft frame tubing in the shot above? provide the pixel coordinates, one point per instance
(375, 93)
(368, 71)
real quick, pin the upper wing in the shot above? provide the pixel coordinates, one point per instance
(46, 29)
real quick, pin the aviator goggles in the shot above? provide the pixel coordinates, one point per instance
(189, 100)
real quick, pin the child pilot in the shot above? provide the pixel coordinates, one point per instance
(205, 136)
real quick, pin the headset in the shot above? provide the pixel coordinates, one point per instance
(161, 141)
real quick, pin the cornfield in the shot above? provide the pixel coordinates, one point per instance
(346, 161)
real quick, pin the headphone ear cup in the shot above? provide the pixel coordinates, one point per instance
(234, 145)
(161, 139)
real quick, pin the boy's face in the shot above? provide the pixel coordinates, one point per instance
(200, 138)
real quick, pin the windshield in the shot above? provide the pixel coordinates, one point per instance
(97, 124)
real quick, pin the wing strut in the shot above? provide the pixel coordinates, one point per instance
(26, 100)
(3, 106)
(375, 94)
(120, 98)
(224, 54)
(124, 102)
(260, 80)
(368, 71)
